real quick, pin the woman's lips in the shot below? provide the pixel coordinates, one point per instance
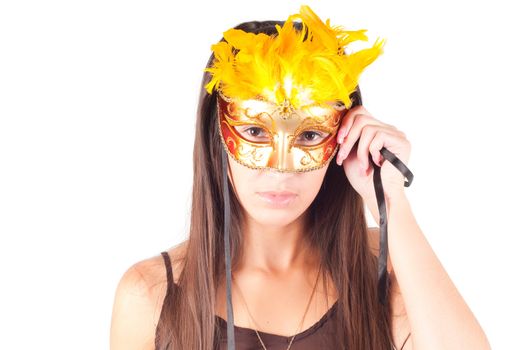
(277, 198)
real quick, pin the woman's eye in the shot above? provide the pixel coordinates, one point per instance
(311, 137)
(255, 133)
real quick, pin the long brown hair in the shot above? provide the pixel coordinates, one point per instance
(340, 235)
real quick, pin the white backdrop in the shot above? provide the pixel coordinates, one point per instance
(97, 112)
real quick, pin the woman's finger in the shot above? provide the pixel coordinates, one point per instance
(347, 121)
(369, 133)
(379, 141)
(359, 122)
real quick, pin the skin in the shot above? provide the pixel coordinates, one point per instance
(275, 257)
(272, 236)
(277, 273)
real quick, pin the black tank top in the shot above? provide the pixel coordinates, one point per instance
(320, 335)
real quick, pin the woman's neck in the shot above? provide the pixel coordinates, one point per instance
(276, 249)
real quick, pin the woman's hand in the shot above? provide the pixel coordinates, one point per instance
(372, 134)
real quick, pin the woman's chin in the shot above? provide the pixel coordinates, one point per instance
(269, 217)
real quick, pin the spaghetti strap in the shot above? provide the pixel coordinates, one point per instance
(168, 267)
(406, 340)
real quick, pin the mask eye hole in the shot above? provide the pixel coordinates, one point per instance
(253, 133)
(311, 137)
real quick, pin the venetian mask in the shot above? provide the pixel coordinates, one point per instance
(261, 134)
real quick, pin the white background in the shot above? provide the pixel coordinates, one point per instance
(97, 112)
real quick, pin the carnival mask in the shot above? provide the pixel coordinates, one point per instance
(261, 134)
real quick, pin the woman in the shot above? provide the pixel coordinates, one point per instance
(301, 165)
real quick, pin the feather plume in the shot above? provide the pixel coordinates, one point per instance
(285, 66)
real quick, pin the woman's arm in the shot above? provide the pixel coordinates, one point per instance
(439, 317)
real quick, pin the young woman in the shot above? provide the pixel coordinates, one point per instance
(282, 172)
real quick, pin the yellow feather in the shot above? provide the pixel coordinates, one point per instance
(284, 66)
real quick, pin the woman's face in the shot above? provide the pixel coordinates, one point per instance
(267, 209)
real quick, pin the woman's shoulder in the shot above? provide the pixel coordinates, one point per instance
(153, 270)
(139, 298)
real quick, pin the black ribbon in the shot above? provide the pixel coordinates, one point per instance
(382, 283)
(383, 254)
(227, 244)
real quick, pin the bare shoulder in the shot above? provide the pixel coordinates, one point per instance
(139, 298)
(400, 325)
